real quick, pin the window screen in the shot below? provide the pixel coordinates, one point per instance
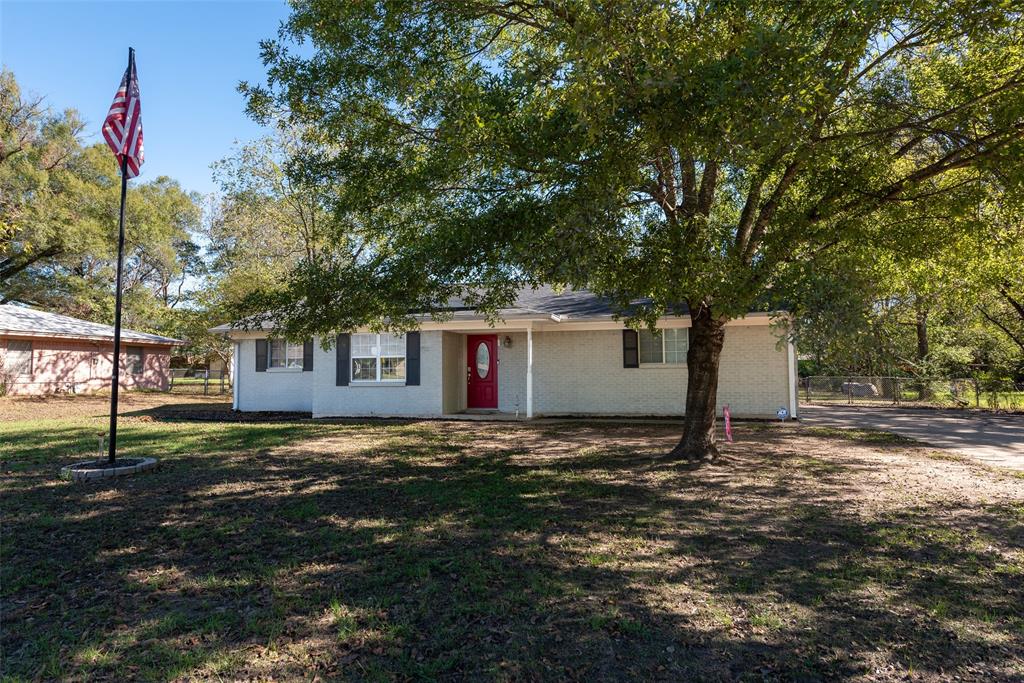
(664, 346)
(19, 358)
(650, 347)
(133, 360)
(284, 354)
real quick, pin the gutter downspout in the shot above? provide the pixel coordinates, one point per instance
(234, 374)
(529, 371)
(791, 352)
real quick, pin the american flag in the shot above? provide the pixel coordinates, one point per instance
(122, 128)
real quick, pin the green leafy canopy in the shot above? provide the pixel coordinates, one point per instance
(690, 152)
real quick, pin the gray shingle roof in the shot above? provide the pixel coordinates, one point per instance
(578, 305)
(542, 302)
(19, 319)
(569, 304)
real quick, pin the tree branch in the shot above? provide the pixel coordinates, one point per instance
(13, 265)
(1017, 305)
(1018, 340)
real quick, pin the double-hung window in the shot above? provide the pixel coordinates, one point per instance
(284, 355)
(378, 357)
(19, 358)
(664, 347)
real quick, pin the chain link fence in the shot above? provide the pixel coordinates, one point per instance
(914, 391)
(200, 382)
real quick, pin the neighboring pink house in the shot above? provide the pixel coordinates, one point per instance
(46, 353)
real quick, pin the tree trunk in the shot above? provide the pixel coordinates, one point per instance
(921, 326)
(702, 361)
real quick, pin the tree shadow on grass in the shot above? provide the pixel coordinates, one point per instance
(428, 551)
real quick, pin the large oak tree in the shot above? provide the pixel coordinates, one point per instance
(675, 152)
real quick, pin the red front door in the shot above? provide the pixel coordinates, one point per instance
(482, 364)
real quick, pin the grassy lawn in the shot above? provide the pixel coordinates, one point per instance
(433, 550)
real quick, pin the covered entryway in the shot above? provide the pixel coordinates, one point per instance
(488, 371)
(482, 371)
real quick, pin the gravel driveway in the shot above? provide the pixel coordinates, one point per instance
(992, 439)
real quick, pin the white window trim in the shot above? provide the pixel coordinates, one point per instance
(288, 346)
(663, 364)
(378, 381)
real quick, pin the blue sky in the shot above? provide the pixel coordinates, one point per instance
(190, 56)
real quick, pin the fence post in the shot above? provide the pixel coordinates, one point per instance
(206, 384)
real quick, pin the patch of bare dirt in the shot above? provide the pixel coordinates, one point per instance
(63, 406)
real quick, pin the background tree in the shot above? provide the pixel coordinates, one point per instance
(686, 153)
(996, 268)
(38, 152)
(257, 228)
(265, 221)
(948, 314)
(58, 236)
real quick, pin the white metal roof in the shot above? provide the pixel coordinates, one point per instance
(24, 321)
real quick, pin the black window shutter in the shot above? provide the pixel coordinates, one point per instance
(343, 351)
(412, 359)
(261, 355)
(630, 349)
(307, 355)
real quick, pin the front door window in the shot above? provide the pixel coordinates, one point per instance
(483, 360)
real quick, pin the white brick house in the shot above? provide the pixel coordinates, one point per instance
(553, 354)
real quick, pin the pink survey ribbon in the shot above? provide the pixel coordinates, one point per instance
(728, 423)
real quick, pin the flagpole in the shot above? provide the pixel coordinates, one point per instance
(116, 379)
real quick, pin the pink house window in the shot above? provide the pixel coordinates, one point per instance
(19, 357)
(134, 360)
